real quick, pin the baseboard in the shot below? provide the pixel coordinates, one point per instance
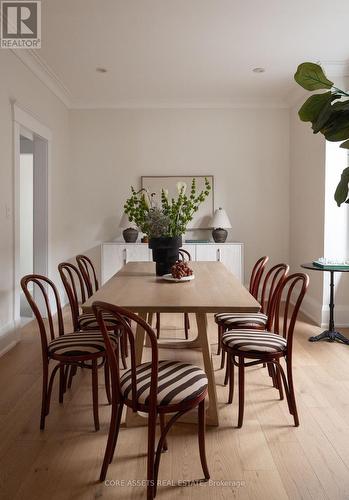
(313, 309)
(341, 316)
(9, 337)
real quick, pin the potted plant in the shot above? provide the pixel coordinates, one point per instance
(164, 221)
(328, 113)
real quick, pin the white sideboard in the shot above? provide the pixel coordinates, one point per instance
(115, 254)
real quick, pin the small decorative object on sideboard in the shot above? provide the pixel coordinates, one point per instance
(130, 232)
(164, 220)
(220, 222)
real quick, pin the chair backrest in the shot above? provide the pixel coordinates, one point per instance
(88, 272)
(47, 328)
(256, 275)
(271, 283)
(184, 254)
(102, 308)
(287, 304)
(74, 285)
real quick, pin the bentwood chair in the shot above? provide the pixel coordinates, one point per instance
(255, 321)
(183, 255)
(254, 285)
(88, 273)
(68, 350)
(156, 388)
(251, 347)
(74, 285)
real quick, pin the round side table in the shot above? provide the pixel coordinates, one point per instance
(331, 334)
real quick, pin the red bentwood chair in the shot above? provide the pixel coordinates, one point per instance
(156, 388)
(222, 318)
(269, 346)
(74, 286)
(85, 349)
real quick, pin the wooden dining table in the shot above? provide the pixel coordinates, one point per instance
(214, 289)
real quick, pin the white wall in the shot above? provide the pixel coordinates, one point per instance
(18, 83)
(246, 150)
(307, 206)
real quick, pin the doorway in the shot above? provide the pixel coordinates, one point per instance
(31, 205)
(26, 214)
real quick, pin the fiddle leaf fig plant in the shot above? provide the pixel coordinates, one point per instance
(328, 113)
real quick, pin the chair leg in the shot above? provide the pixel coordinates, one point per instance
(157, 325)
(186, 325)
(292, 394)
(278, 380)
(44, 405)
(95, 393)
(150, 460)
(72, 373)
(107, 380)
(201, 437)
(112, 438)
(227, 370)
(222, 360)
(162, 427)
(231, 380)
(61, 383)
(219, 336)
(241, 390)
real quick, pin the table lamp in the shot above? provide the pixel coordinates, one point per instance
(130, 232)
(220, 222)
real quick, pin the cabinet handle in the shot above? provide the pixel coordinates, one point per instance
(218, 254)
(125, 255)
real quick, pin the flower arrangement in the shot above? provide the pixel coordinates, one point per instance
(166, 217)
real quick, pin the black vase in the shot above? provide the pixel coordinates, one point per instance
(165, 253)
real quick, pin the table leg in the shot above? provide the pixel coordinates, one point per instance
(212, 410)
(331, 334)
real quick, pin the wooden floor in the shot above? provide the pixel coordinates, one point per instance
(268, 458)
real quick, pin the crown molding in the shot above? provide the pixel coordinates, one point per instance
(44, 73)
(180, 105)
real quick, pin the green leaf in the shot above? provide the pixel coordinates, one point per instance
(324, 116)
(310, 76)
(342, 189)
(345, 145)
(313, 106)
(337, 128)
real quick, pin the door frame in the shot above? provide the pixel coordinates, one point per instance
(42, 136)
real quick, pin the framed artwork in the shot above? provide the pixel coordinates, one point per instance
(202, 218)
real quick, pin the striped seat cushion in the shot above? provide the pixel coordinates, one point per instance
(177, 382)
(79, 344)
(88, 321)
(231, 319)
(251, 340)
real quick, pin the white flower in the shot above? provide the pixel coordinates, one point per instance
(181, 186)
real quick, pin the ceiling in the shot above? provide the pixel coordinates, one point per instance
(187, 52)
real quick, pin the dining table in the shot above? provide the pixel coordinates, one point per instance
(214, 289)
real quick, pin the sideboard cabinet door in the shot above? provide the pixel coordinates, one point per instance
(229, 254)
(116, 255)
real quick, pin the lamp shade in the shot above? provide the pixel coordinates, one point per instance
(220, 219)
(125, 223)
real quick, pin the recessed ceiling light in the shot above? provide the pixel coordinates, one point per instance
(258, 70)
(101, 70)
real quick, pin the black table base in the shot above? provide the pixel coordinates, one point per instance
(330, 336)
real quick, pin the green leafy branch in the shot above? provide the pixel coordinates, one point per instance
(172, 217)
(328, 113)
